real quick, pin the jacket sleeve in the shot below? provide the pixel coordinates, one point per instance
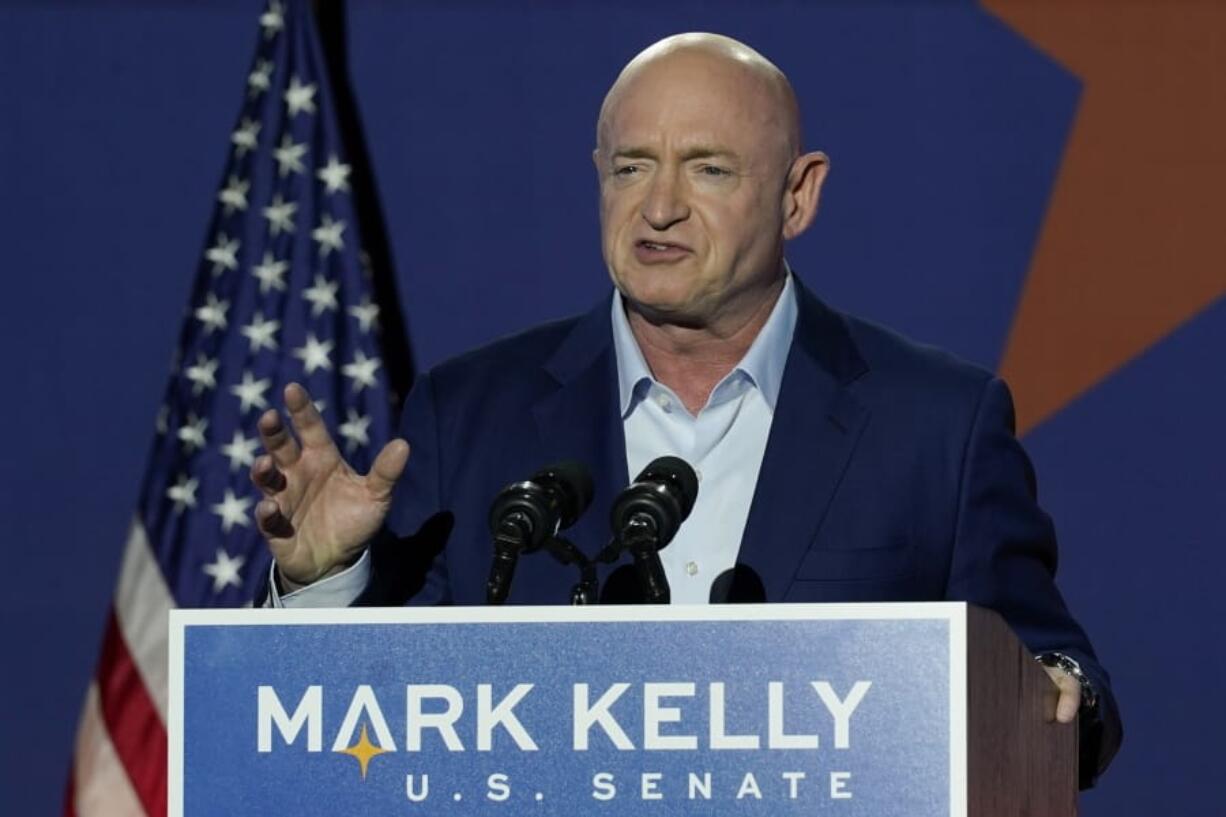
(1004, 558)
(408, 556)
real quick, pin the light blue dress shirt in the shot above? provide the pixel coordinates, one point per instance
(724, 442)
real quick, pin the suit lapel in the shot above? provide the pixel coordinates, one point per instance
(815, 429)
(580, 420)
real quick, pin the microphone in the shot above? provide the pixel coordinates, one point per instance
(648, 513)
(740, 584)
(525, 515)
(622, 587)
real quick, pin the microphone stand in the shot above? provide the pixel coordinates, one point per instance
(587, 589)
(641, 538)
(509, 542)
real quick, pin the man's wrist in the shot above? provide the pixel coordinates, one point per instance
(286, 585)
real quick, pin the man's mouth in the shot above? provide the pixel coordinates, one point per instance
(647, 251)
(660, 246)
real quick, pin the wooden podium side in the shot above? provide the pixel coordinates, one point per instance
(1020, 762)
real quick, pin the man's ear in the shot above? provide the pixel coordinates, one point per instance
(596, 160)
(802, 191)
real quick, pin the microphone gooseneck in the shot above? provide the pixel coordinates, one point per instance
(526, 515)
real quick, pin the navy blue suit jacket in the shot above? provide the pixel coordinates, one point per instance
(891, 474)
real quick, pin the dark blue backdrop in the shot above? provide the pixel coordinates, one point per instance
(945, 130)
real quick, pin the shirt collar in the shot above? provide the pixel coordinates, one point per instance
(763, 363)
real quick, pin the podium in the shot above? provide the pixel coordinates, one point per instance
(782, 709)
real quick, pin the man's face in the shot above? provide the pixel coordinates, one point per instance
(692, 158)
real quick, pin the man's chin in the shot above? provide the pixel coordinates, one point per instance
(660, 296)
(659, 311)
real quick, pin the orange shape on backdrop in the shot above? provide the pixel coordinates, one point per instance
(1134, 240)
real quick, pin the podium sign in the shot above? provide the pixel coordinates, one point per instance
(722, 710)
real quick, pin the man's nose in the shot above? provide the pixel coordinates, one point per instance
(665, 204)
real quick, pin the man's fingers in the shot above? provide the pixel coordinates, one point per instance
(276, 439)
(1070, 695)
(1070, 702)
(271, 522)
(388, 467)
(266, 477)
(305, 417)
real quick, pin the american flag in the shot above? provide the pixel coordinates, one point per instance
(283, 293)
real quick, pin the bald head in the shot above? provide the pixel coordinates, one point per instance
(725, 68)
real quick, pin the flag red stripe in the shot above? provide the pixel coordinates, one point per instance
(132, 721)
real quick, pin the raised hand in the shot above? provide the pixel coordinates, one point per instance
(317, 513)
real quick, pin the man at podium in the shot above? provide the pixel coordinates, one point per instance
(837, 461)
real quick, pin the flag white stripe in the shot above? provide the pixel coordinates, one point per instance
(101, 787)
(142, 607)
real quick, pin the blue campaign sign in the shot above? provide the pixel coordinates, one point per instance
(554, 711)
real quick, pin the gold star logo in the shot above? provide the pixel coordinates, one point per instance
(363, 751)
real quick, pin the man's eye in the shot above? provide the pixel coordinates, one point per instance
(625, 170)
(714, 170)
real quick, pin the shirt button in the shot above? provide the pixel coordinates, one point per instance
(664, 402)
(691, 568)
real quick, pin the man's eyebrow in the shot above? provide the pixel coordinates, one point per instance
(634, 153)
(707, 152)
(688, 154)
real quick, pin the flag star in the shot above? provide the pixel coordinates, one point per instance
(234, 195)
(213, 313)
(314, 354)
(320, 405)
(240, 450)
(289, 156)
(260, 78)
(233, 511)
(223, 254)
(260, 334)
(272, 20)
(361, 370)
(246, 137)
(203, 374)
(299, 97)
(354, 430)
(280, 215)
(322, 295)
(191, 433)
(224, 571)
(250, 392)
(183, 493)
(270, 273)
(367, 314)
(335, 175)
(328, 234)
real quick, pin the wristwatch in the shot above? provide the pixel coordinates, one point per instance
(1060, 661)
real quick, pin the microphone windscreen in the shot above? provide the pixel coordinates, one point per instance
(739, 584)
(574, 486)
(678, 472)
